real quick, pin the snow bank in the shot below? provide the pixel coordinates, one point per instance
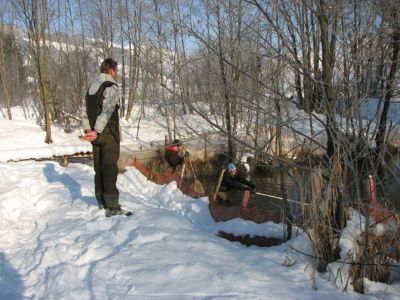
(56, 244)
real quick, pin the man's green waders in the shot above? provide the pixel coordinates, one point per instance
(105, 150)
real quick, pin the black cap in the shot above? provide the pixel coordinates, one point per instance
(176, 142)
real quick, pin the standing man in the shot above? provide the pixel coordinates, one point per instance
(100, 122)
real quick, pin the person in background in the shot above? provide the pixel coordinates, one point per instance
(100, 123)
(245, 163)
(175, 154)
(232, 182)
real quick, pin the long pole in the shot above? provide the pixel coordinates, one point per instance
(279, 198)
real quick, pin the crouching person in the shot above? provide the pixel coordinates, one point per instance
(175, 154)
(233, 185)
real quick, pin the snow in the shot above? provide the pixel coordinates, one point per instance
(22, 138)
(57, 244)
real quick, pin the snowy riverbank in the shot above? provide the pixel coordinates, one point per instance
(56, 244)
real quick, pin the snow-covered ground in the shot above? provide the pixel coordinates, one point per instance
(23, 137)
(56, 244)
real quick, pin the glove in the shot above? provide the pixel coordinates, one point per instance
(187, 154)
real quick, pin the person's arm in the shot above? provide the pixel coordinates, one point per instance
(232, 183)
(245, 181)
(110, 101)
(84, 118)
(242, 180)
(90, 135)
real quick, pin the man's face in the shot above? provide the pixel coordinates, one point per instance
(233, 172)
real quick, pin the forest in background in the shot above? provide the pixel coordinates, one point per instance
(238, 64)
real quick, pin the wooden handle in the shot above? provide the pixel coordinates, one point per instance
(216, 190)
(181, 175)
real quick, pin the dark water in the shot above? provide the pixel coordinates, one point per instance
(387, 190)
(268, 182)
(392, 183)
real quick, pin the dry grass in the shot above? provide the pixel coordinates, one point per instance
(374, 261)
(326, 190)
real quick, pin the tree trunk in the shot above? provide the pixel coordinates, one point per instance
(228, 112)
(134, 60)
(328, 63)
(4, 82)
(288, 210)
(317, 90)
(161, 71)
(122, 33)
(84, 62)
(41, 61)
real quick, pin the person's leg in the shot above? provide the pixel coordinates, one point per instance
(173, 160)
(245, 201)
(98, 176)
(223, 196)
(235, 197)
(110, 155)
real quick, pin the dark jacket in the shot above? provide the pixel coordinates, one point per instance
(94, 109)
(101, 107)
(173, 156)
(237, 182)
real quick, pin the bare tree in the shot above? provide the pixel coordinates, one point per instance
(134, 39)
(33, 15)
(161, 73)
(227, 96)
(3, 49)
